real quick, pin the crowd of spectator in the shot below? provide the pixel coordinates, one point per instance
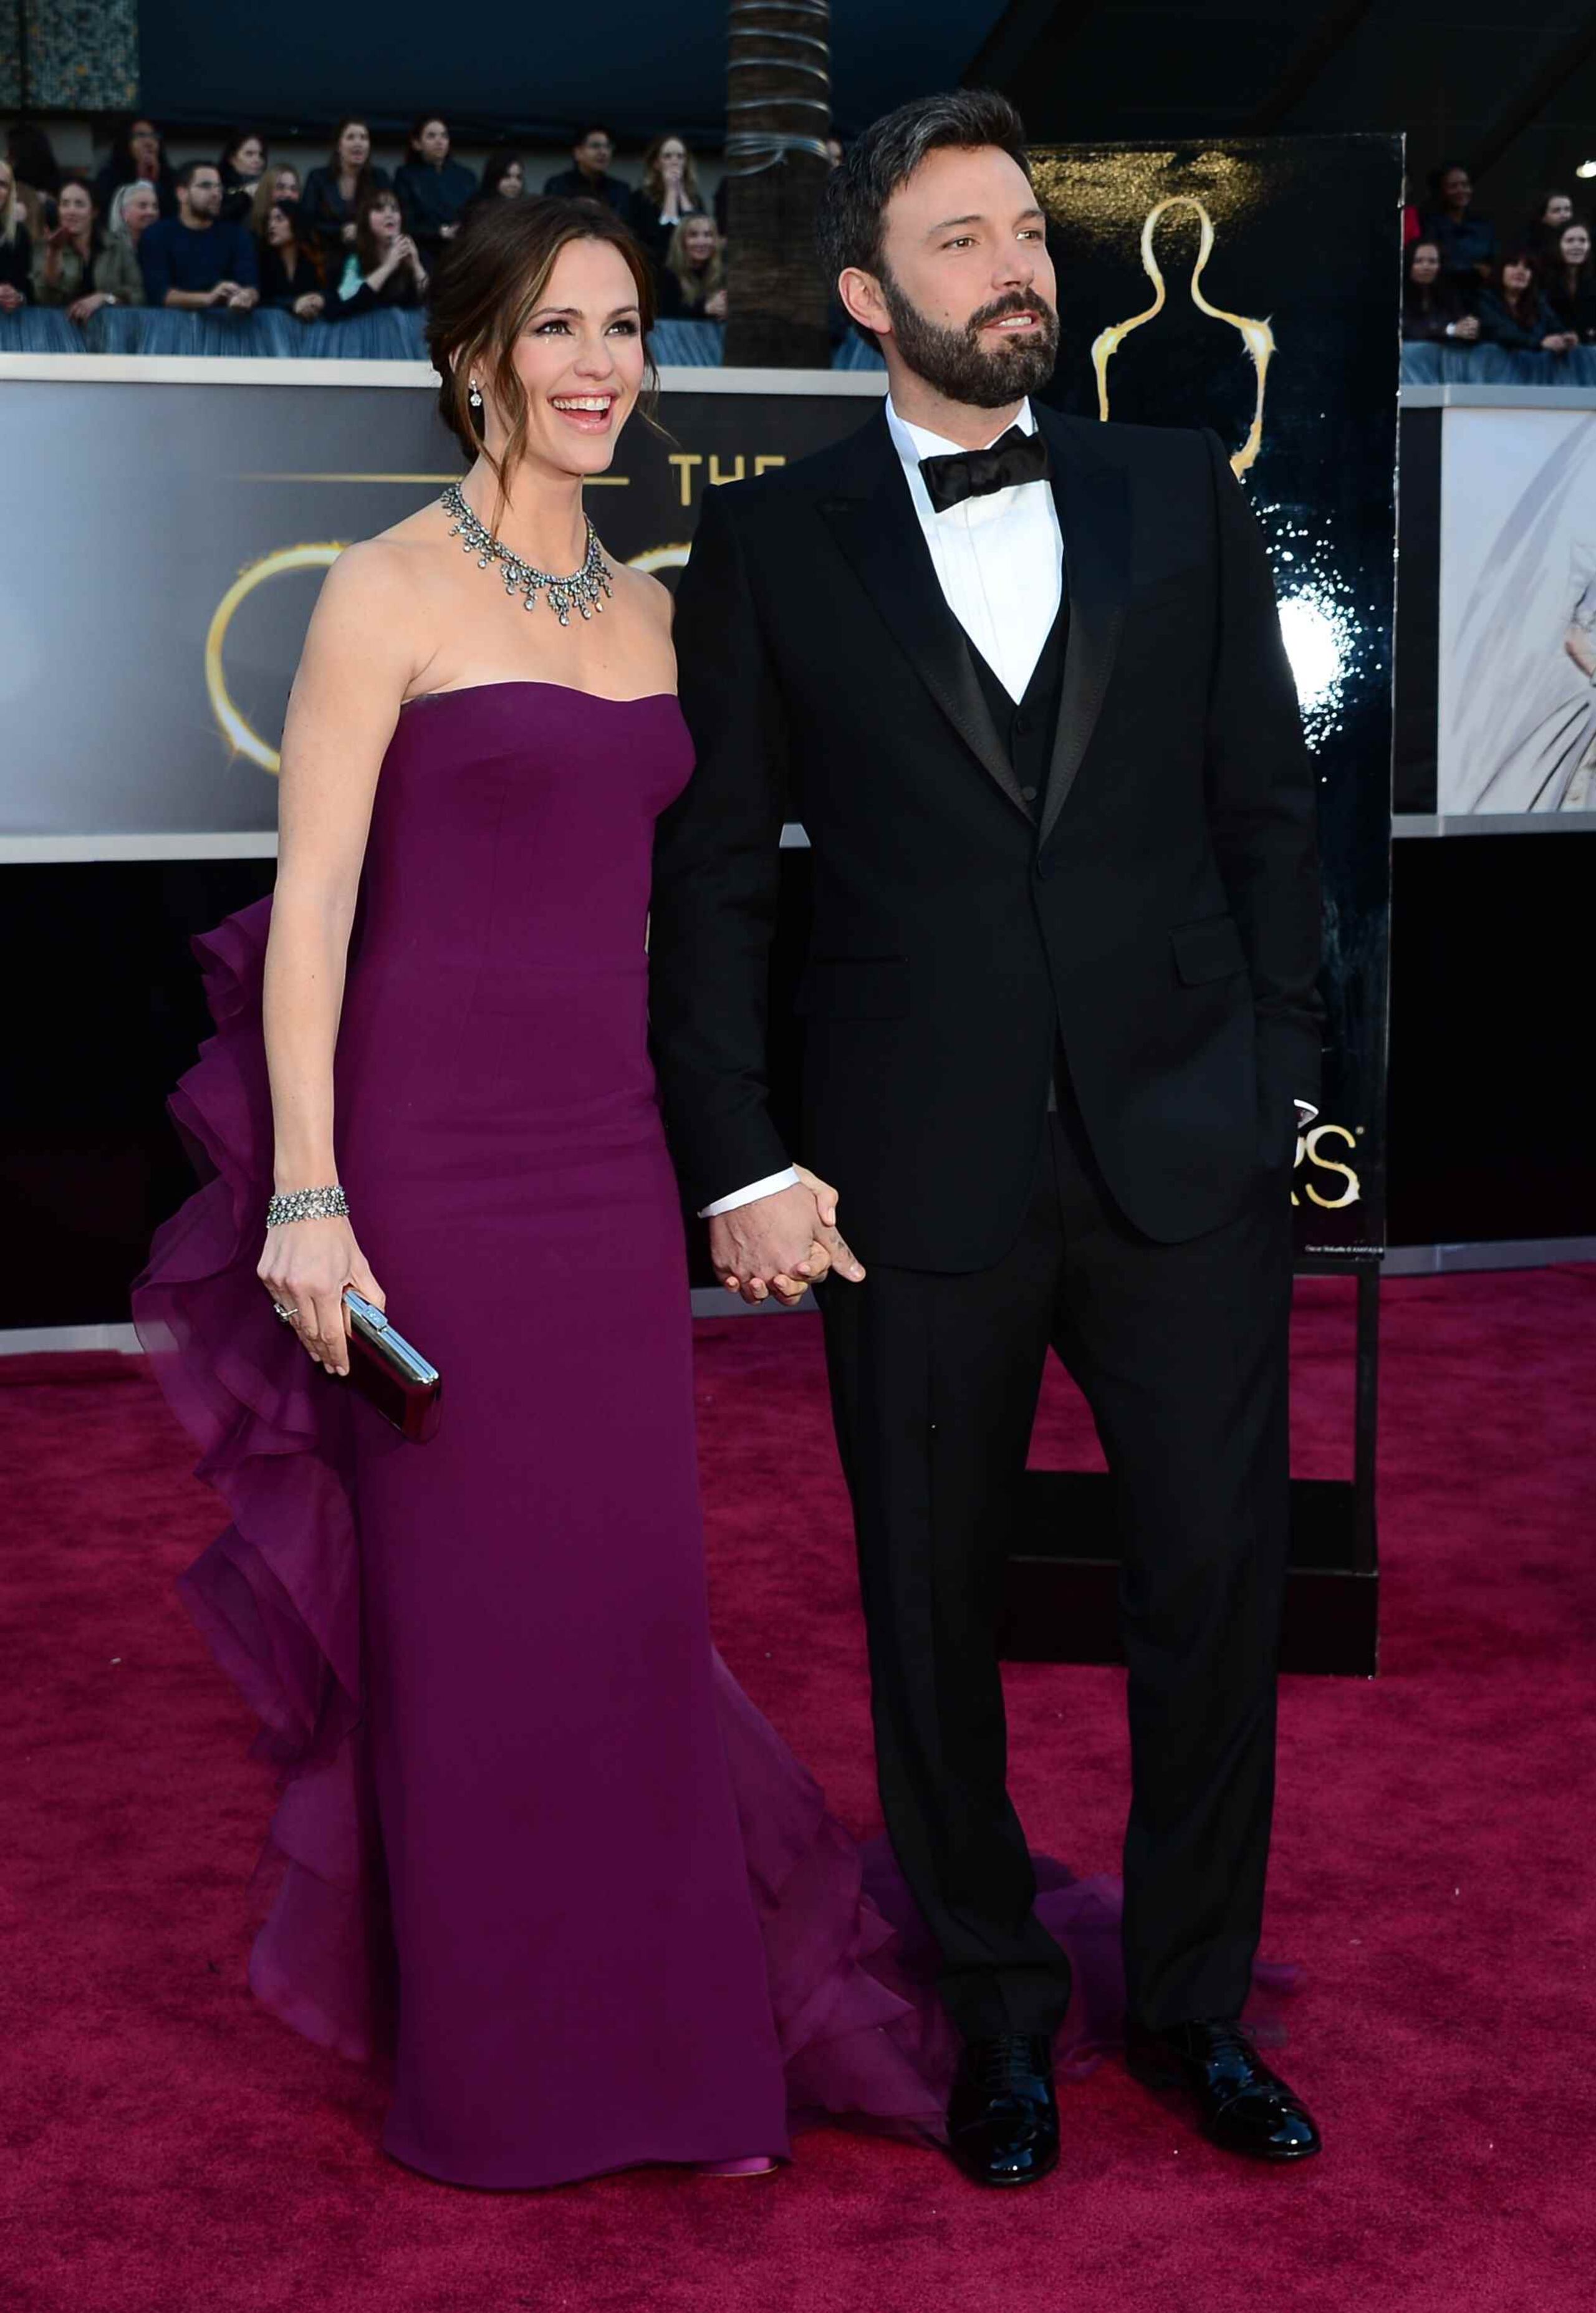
(1534, 294)
(236, 233)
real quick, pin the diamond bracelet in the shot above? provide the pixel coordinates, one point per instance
(307, 1205)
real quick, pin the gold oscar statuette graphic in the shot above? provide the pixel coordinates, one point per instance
(1256, 336)
(244, 739)
(1309, 1147)
(655, 559)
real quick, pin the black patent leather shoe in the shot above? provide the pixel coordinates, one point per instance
(1243, 2105)
(1003, 2121)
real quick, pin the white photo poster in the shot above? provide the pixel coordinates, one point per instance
(1518, 611)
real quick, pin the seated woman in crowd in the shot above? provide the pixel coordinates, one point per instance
(290, 276)
(1570, 281)
(384, 266)
(432, 188)
(64, 260)
(1551, 212)
(280, 185)
(1514, 314)
(1466, 240)
(118, 277)
(333, 195)
(668, 193)
(16, 246)
(503, 178)
(1430, 307)
(694, 283)
(243, 164)
(137, 156)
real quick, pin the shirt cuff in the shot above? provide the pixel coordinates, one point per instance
(771, 1186)
(1306, 1112)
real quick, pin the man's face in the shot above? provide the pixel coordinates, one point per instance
(594, 153)
(1457, 190)
(967, 289)
(203, 195)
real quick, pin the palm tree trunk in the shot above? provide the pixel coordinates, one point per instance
(779, 113)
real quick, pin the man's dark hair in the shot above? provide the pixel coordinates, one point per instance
(191, 169)
(854, 196)
(593, 128)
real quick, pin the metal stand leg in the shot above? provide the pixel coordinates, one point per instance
(1365, 1545)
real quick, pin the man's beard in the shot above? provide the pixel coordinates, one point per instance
(955, 362)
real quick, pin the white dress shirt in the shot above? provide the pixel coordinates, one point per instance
(999, 561)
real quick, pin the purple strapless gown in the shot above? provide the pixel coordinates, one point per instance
(532, 1837)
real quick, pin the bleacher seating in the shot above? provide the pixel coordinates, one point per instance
(1424, 364)
(393, 335)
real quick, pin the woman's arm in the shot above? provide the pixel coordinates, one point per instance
(357, 663)
(1580, 646)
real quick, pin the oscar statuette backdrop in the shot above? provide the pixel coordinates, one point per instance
(1253, 287)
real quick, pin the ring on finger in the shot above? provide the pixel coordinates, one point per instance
(289, 1317)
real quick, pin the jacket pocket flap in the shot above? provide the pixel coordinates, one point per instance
(1209, 949)
(855, 988)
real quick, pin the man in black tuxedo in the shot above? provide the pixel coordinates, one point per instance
(1020, 677)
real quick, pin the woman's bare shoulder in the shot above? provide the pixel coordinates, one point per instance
(378, 573)
(652, 599)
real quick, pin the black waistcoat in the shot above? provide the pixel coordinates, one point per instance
(1026, 727)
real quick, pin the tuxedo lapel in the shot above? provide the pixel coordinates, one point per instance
(878, 532)
(1094, 515)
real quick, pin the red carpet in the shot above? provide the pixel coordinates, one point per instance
(170, 2148)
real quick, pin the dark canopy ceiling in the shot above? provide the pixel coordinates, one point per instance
(640, 66)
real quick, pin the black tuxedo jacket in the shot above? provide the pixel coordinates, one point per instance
(1156, 912)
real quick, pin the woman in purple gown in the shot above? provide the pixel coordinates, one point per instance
(532, 1839)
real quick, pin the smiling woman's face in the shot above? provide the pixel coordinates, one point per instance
(698, 239)
(580, 360)
(1516, 278)
(74, 208)
(1576, 244)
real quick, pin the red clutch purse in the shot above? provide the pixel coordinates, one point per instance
(390, 1373)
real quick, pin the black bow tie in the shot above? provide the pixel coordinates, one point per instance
(1015, 457)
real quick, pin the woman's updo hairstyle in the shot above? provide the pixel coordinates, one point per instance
(491, 282)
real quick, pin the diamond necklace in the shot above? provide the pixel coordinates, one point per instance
(584, 590)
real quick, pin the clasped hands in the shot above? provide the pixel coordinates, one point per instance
(777, 1246)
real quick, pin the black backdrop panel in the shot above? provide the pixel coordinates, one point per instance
(1418, 613)
(1252, 286)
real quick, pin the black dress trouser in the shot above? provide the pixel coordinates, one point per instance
(1181, 1353)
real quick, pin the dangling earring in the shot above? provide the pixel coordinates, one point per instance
(475, 395)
